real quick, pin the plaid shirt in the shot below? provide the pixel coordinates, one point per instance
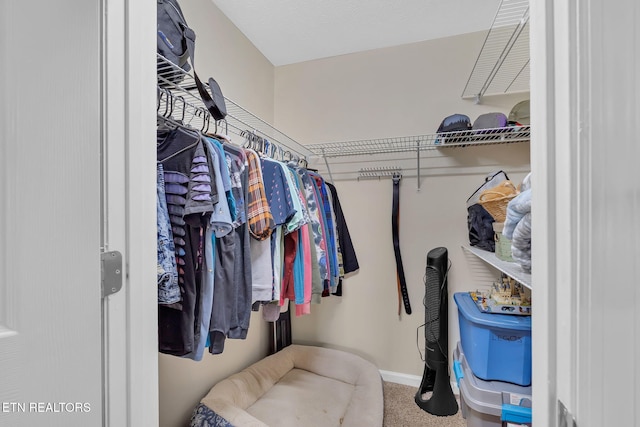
(259, 216)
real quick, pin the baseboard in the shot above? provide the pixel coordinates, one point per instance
(400, 378)
(411, 380)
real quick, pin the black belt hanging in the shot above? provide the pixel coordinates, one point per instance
(403, 294)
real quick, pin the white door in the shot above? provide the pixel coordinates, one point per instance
(77, 177)
(50, 213)
(585, 106)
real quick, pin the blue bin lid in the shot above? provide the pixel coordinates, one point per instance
(515, 414)
(471, 312)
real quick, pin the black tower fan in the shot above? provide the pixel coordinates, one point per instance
(436, 370)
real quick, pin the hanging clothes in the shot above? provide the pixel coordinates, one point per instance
(325, 242)
(330, 238)
(281, 206)
(236, 163)
(226, 178)
(302, 261)
(237, 229)
(320, 263)
(232, 289)
(348, 258)
(260, 244)
(190, 199)
(168, 289)
(259, 215)
(231, 309)
(220, 225)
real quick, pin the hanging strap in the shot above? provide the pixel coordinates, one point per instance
(213, 107)
(403, 294)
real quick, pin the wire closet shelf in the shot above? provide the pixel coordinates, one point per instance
(502, 65)
(505, 135)
(178, 99)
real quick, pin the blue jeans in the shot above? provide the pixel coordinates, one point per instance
(168, 289)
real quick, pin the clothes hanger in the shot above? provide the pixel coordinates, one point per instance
(197, 135)
(280, 154)
(296, 161)
(205, 124)
(168, 111)
(266, 147)
(247, 141)
(171, 123)
(220, 133)
(160, 94)
(197, 112)
(166, 102)
(255, 143)
(184, 107)
(166, 122)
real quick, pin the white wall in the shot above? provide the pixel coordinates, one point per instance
(399, 91)
(224, 53)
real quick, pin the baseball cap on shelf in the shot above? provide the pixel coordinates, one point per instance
(519, 115)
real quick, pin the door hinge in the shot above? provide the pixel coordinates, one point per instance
(111, 272)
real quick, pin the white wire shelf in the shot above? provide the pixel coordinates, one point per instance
(505, 135)
(187, 106)
(502, 65)
(511, 269)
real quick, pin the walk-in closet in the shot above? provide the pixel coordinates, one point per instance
(358, 119)
(85, 338)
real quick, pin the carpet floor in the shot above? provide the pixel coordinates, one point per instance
(401, 410)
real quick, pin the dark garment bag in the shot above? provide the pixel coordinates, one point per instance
(480, 224)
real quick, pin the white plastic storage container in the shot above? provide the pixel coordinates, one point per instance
(490, 403)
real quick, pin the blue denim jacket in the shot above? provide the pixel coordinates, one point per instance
(168, 289)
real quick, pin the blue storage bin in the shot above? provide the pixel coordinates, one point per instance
(496, 346)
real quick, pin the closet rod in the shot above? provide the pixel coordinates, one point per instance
(177, 111)
(177, 80)
(174, 107)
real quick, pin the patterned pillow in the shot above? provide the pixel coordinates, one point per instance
(205, 417)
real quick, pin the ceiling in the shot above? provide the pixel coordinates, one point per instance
(290, 31)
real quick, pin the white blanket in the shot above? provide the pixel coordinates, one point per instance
(517, 228)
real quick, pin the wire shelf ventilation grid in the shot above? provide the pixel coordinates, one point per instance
(422, 142)
(502, 65)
